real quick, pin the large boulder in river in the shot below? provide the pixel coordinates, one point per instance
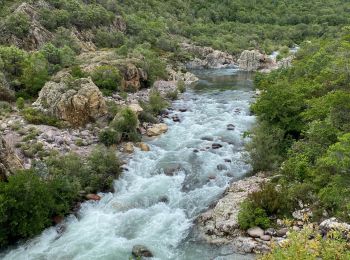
(252, 60)
(9, 161)
(75, 101)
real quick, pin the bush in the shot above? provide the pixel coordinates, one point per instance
(147, 117)
(126, 124)
(300, 246)
(173, 95)
(63, 37)
(37, 117)
(249, 216)
(25, 206)
(20, 103)
(17, 24)
(110, 136)
(267, 147)
(181, 87)
(107, 78)
(156, 103)
(35, 73)
(108, 39)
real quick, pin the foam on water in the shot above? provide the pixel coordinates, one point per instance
(151, 208)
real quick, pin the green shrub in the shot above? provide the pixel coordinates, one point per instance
(172, 95)
(25, 206)
(250, 216)
(104, 168)
(63, 37)
(104, 38)
(37, 117)
(20, 103)
(77, 72)
(110, 136)
(147, 117)
(181, 87)
(17, 24)
(126, 123)
(35, 73)
(300, 246)
(107, 77)
(156, 103)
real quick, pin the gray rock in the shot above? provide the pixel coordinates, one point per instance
(216, 146)
(266, 237)
(221, 167)
(207, 138)
(231, 127)
(255, 232)
(270, 232)
(281, 232)
(141, 251)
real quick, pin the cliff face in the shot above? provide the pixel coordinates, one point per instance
(9, 161)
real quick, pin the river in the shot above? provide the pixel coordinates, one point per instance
(151, 208)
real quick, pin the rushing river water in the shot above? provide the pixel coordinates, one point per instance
(155, 210)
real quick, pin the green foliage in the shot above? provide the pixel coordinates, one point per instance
(156, 103)
(110, 136)
(63, 37)
(250, 216)
(173, 95)
(309, 105)
(104, 38)
(300, 246)
(25, 203)
(107, 78)
(126, 123)
(37, 117)
(181, 87)
(35, 73)
(58, 57)
(20, 103)
(17, 24)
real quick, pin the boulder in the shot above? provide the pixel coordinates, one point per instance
(208, 58)
(134, 77)
(128, 148)
(171, 170)
(144, 147)
(136, 108)
(255, 232)
(77, 102)
(334, 224)
(252, 60)
(282, 232)
(216, 146)
(230, 127)
(94, 197)
(266, 237)
(140, 251)
(157, 129)
(9, 161)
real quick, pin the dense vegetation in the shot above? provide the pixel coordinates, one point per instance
(303, 134)
(31, 198)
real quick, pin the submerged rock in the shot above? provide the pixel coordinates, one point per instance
(140, 251)
(216, 146)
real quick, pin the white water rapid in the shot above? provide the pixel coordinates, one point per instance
(155, 210)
